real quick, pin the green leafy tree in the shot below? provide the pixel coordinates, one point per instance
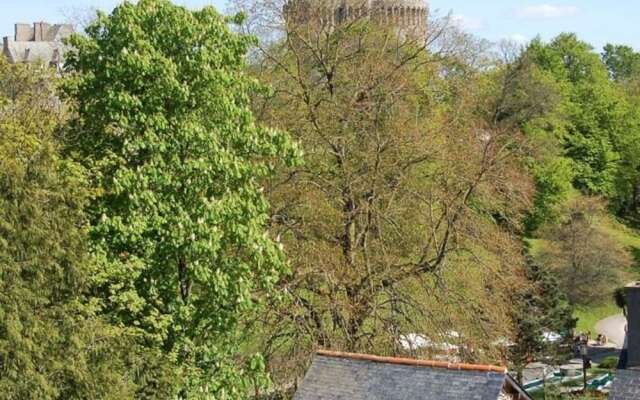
(594, 111)
(624, 67)
(163, 126)
(596, 123)
(553, 177)
(627, 199)
(53, 343)
(622, 61)
(525, 96)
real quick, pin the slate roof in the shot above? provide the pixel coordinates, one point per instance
(626, 385)
(49, 49)
(31, 52)
(343, 376)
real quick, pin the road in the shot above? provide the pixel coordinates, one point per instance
(613, 327)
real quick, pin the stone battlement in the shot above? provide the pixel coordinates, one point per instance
(405, 14)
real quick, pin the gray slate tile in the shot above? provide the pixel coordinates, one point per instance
(332, 378)
(626, 385)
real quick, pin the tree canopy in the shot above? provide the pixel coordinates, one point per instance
(54, 344)
(164, 128)
(162, 235)
(599, 127)
(401, 220)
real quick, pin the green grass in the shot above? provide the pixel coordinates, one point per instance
(628, 238)
(622, 234)
(589, 316)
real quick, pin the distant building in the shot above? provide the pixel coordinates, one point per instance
(408, 16)
(337, 376)
(626, 385)
(40, 42)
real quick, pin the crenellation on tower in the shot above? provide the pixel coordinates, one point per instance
(406, 15)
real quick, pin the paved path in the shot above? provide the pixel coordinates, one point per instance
(613, 327)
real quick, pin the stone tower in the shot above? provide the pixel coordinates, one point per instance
(409, 16)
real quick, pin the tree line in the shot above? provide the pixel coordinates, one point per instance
(190, 210)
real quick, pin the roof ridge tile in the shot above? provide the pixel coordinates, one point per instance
(414, 362)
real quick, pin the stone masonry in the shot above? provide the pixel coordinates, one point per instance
(40, 42)
(409, 16)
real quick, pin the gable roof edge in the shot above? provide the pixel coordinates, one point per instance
(414, 362)
(522, 393)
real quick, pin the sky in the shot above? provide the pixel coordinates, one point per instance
(595, 21)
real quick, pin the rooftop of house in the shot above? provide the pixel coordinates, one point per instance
(30, 52)
(40, 42)
(335, 375)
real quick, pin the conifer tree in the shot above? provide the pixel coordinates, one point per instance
(539, 309)
(53, 343)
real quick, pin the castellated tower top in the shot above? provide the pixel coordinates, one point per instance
(406, 15)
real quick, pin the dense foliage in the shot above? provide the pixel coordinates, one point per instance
(541, 309)
(403, 219)
(447, 197)
(53, 342)
(599, 128)
(164, 129)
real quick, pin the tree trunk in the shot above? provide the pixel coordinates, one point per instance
(635, 202)
(349, 240)
(184, 281)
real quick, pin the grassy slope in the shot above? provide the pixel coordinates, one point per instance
(588, 317)
(630, 239)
